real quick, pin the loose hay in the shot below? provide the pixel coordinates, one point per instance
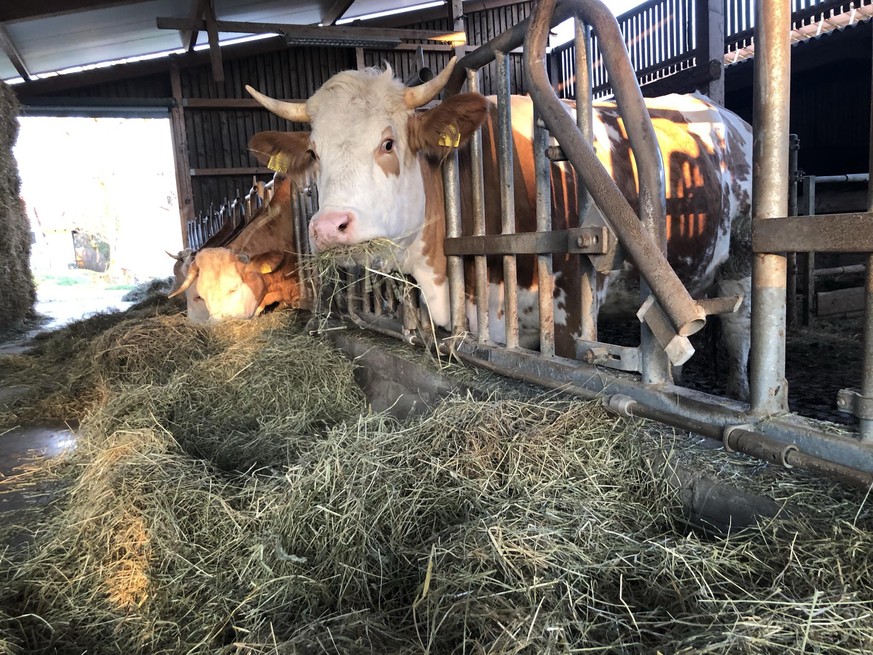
(488, 526)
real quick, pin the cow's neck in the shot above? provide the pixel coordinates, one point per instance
(426, 259)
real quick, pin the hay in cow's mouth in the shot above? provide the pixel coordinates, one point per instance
(247, 502)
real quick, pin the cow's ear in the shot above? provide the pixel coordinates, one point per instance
(264, 263)
(283, 152)
(448, 125)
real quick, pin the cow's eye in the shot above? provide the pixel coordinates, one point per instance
(312, 154)
(387, 145)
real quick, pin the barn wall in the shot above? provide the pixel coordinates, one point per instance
(830, 99)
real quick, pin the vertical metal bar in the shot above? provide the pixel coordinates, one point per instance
(865, 425)
(507, 198)
(478, 197)
(769, 393)
(545, 273)
(455, 265)
(791, 281)
(808, 257)
(585, 121)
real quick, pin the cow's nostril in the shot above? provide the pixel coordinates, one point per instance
(342, 227)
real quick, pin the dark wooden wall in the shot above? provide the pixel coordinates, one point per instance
(830, 99)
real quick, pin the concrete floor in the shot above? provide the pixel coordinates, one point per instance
(24, 444)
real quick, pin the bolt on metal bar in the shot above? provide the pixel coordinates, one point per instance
(769, 393)
(585, 122)
(507, 198)
(545, 272)
(477, 195)
(454, 265)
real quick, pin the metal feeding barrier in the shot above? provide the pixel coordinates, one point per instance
(631, 381)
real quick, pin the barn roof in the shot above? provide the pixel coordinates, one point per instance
(40, 37)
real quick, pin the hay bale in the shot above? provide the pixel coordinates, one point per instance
(17, 289)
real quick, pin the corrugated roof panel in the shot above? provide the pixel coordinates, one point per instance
(89, 37)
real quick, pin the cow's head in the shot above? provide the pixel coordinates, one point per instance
(229, 285)
(196, 308)
(365, 151)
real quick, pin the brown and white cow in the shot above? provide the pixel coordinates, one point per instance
(256, 269)
(376, 162)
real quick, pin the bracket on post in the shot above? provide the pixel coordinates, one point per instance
(851, 401)
(678, 348)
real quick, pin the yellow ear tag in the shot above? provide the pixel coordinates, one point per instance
(278, 162)
(452, 139)
(266, 268)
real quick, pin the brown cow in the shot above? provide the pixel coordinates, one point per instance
(258, 267)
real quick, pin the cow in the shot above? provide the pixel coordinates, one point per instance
(376, 157)
(256, 269)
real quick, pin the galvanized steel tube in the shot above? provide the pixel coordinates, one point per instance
(455, 265)
(585, 122)
(545, 274)
(507, 198)
(477, 195)
(769, 393)
(865, 425)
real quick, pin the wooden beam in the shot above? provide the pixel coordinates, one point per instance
(10, 11)
(184, 188)
(214, 48)
(8, 46)
(328, 32)
(189, 37)
(336, 12)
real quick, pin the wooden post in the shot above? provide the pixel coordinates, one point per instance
(184, 189)
(710, 46)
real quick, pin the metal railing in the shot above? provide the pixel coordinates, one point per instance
(665, 37)
(218, 225)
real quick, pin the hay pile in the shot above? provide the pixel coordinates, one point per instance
(65, 371)
(245, 501)
(17, 289)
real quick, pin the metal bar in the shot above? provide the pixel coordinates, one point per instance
(585, 122)
(865, 425)
(586, 240)
(643, 249)
(454, 265)
(847, 177)
(507, 199)
(851, 232)
(545, 273)
(768, 388)
(743, 440)
(591, 382)
(808, 258)
(477, 196)
(791, 280)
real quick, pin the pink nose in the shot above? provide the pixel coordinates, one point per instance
(331, 228)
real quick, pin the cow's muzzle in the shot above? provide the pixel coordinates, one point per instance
(331, 229)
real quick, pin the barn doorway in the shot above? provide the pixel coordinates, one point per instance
(102, 202)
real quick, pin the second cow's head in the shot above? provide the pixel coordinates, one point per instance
(366, 150)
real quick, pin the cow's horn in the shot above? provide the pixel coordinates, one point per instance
(193, 272)
(416, 96)
(292, 111)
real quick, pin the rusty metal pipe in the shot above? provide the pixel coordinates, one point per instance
(684, 313)
(477, 195)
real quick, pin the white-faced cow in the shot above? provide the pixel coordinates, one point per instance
(376, 161)
(256, 269)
